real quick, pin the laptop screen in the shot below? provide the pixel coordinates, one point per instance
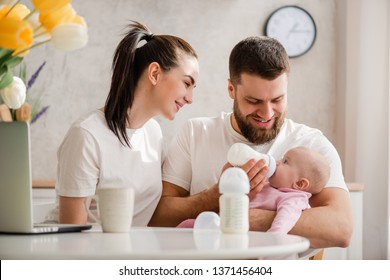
(15, 177)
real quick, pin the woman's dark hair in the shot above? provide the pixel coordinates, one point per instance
(258, 55)
(130, 60)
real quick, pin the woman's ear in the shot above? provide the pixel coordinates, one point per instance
(231, 89)
(154, 71)
(302, 184)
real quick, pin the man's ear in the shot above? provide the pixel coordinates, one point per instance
(302, 184)
(231, 89)
(154, 71)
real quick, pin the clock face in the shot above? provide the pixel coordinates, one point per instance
(294, 28)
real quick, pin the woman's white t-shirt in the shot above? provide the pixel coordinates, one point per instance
(91, 156)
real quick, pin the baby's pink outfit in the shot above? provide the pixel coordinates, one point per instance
(287, 203)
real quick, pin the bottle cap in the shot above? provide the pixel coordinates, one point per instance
(234, 180)
(271, 166)
(207, 220)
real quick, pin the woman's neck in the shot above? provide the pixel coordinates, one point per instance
(141, 111)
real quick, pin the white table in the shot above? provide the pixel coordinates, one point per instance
(152, 243)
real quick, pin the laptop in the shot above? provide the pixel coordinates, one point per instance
(16, 205)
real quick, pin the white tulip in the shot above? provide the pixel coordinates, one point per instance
(69, 36)
(14, 95)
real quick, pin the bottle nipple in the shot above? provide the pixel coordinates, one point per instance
(271, 166)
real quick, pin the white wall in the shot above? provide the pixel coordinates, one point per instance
(373, 121)
(363, 137)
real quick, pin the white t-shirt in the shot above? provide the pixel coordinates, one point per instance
(199, 151)
(92, 157)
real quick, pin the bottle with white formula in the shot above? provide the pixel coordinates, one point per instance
(234, 202)
(240, 153)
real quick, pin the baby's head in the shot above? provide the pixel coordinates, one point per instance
(301, 169)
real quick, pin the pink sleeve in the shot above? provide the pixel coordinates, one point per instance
(289, 208)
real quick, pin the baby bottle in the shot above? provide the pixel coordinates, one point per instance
(234, 202)
(240, 153)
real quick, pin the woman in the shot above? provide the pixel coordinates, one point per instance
(120, 145)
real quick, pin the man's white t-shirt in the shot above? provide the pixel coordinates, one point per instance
(92, 157)
(199, 151)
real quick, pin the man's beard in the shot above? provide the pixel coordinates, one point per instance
(254, 134)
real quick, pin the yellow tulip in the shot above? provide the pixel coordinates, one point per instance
(62, 15)
(19, 12)
(21, 52)
(49, 6)
(15, 34)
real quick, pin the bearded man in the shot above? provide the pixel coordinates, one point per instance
(259, 68)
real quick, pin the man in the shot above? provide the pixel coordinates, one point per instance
(259, 69)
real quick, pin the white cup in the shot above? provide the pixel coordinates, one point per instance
(115, 208)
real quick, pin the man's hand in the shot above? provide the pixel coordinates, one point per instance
(256, 171)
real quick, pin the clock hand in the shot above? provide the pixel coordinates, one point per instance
(292, 30)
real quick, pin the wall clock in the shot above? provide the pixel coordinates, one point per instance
(294, 27)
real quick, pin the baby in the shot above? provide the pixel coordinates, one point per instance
(300, 174)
